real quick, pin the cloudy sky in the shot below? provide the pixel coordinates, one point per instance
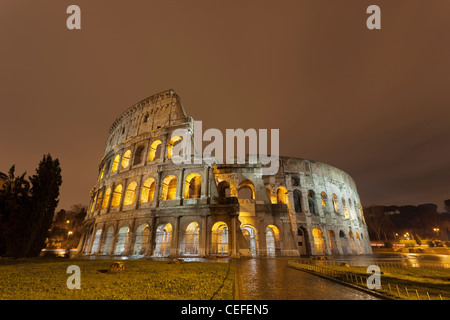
(374, 103)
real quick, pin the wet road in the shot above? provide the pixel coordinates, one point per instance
(272, 279)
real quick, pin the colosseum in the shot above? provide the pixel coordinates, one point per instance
(143, 204)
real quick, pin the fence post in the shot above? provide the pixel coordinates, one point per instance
(407, 294)
(417, 293)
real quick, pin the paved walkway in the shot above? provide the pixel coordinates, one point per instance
(272, 279)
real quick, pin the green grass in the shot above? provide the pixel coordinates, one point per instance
(43, 279)
(434, 281)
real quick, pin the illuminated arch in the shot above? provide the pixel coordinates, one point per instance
(106, 198)
(163, 240)
(334, 199)
(250, 237)
(172, 142)
(192, 186)
(130, 193)
(190, 242)
(126, 159)
(272, 239)
(117, 194)
(155, 150)
(219, 239)
(99, 199)
(115, 164)
(142, 238)
(148, 190)
(169, 188)
(122, 240)
(319, 241)
(282, 195)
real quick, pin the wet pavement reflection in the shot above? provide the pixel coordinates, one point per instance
(272, 279)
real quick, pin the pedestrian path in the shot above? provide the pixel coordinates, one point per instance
(272, 279)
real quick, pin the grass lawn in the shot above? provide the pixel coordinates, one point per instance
(45, 278)
(434, 281)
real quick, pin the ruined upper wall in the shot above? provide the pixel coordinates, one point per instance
(158, 111)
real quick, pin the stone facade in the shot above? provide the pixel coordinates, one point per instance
(145, 205)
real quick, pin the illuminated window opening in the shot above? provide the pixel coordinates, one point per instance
(190, 242)
(192, 186)
(148, 190)
(282, 195)
(163, 240)
(219, 239)
(106, 198)
(130, 193)
(335, 203)
(169, 188)
(155, 150)
(117, 194)
(115, 164)
(319, 241)
(173, 141)
(126, 159)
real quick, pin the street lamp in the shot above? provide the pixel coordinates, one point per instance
(437, 231)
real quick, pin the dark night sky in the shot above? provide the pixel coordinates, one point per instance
(375, 104)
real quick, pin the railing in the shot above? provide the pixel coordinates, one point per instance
(386, 290)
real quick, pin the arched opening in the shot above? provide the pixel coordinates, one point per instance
(155, 150)
(169, 188)
(130, 193)
(163, 240)
(312, 202)
(335, 203)
(189, 244)
(138, 155)
(333, 244)
(107, 243)
(122, 240)
(246, 190)
(351, 241)
(324, 199)
(142, 238)
(351, 209)
(250, 237)
(219, 239)
(115, 164)
(117, 194)
(302, 241)
(102, 172)
(173, 141)
(319, 241)
(148, 190)
(272, 240)
(223, 189)
(98, 234)
(345, 209)
(106, 198)
(295, 181)
(344, 243)
(297, 201)
(192, 186)
(126, 159)
(99, 199)
(282, 195)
